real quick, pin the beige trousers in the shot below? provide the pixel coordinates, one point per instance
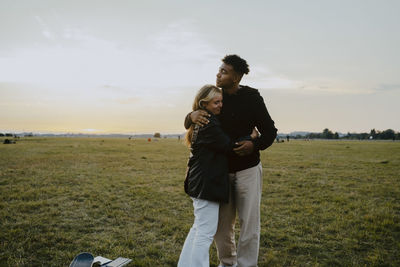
(246, 187)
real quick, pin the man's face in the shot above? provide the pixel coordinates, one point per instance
(226, 76)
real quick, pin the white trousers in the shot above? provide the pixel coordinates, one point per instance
(196, 249)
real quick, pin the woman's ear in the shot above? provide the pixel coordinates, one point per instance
(201, 104)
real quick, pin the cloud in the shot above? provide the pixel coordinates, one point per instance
(45, 29)
(184, 57)
(175, 56)
(387, 87)
(77, 61)
(263, 78)
(128, 101)
(180, 41)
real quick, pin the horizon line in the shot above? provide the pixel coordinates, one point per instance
(161, 133)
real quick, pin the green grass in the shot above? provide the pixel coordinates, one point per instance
(325, 203)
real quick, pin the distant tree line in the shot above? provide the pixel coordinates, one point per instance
(376, 135)
(7, 134)
(326, 134)
(14, 135)
(388, 134)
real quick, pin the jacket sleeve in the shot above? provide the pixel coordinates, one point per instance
(188, 121)
(264, 124)
(212, 136)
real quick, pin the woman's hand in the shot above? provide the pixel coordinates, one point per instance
(199, 117)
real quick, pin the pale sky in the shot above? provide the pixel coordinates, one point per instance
(135, 66)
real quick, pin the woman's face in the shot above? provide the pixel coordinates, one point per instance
(214, 106)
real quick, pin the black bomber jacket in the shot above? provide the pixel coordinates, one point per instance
(207, 174)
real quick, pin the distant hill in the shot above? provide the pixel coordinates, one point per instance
(30, 134)
(299, 133)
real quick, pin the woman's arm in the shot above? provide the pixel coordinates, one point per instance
(214, 138)
(198, 117)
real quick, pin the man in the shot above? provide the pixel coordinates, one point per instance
(243, 109)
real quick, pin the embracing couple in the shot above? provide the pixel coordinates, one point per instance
(227, 128)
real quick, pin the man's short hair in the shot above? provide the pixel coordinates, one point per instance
(239, 64)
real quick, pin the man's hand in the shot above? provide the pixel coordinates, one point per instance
(244, 148)
(254, 134)
(199, 117)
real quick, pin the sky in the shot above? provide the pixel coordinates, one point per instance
(135, 66)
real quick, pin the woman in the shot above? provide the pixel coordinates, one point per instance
(207, 180)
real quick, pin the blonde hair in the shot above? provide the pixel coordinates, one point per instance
(203, 96)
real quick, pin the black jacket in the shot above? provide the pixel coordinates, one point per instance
(241, 112)
(207, 174)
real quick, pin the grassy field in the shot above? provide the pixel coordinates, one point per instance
(325, 203)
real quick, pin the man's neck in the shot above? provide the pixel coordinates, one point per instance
(232, 90)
